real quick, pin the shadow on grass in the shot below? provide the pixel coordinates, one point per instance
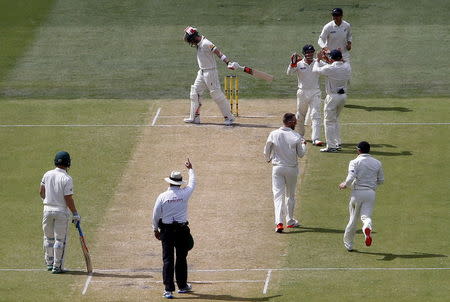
(390, 256)
(211, 297)
(370, 108)
(352, 150)
(110, 275)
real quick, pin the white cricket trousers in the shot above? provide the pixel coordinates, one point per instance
(361, 205)
(284, 185)
(208, 79)
(309, 99)
(55, 225)
(334, 103)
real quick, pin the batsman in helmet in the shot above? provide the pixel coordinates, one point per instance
(207, 76)
(56, 191)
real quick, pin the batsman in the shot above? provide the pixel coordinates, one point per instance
(207, 76)
(56, 191)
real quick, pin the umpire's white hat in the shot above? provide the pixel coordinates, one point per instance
(175, 178)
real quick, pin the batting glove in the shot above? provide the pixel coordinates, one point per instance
(76, 218)
(233, 65)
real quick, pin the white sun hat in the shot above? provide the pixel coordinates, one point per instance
(175, 178)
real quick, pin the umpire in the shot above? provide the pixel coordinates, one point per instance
(170, 225)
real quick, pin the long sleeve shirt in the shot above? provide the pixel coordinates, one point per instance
(172, 205)
(283, 147)
(338, 74)
(307, 78)
(364, 172)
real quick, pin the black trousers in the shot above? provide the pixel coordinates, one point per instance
(175, 240)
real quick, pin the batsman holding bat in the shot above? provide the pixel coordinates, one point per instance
(56, 191)
(207, 76)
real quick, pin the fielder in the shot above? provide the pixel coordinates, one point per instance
(207, 76)
(56, 191)
(337, 34)
(282, 148)
(308, 93)
(170, 225)
(338, 74)
(365, 173)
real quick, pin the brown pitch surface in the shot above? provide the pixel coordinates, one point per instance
(230, 212)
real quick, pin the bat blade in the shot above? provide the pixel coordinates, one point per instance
(258, 74)
(84, 248)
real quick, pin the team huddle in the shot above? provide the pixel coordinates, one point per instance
(282, 149)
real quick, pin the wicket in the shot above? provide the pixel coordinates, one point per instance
(231, 87)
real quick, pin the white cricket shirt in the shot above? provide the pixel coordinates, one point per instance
(336, 37)
(364, 172)
(338, 74)
(307, 78)
(172, 205)
(205, 54)
(283, 147)
(57, 185)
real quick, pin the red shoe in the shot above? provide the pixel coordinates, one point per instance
(368, 240)
(279, 228)
(318, 143)
(291, 226)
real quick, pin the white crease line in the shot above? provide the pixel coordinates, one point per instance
(156, 116)
(86, 284)
(205, 125)
(266, 283)
(190, 281)
(242, 269)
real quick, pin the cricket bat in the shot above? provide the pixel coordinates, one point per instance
(257, 74)
(84, 248)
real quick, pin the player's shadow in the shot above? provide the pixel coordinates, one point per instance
(373, 108)
(109, 275)
(350, 148)
(211, 297)
(305, 229)
(239, 125)
(390, 256)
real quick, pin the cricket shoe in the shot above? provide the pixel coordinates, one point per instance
(229, 121)
(195, 120)
(279, 228)
(317, 142)
(329, 150)
(58, 270)
(186, 289)
(349, 247)
(168, 295)
(294, 225)
(50, 267)
(339, 147)
(368, 239)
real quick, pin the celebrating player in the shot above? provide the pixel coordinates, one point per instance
(337, 34)
(207, 76)
(282, 148)
(365, 173)
(338, 74)
(56, 191)
(308, 93)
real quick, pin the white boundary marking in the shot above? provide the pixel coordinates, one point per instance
(86, 284)
(156, 116)
(266, 283)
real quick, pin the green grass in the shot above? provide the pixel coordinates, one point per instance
(134, 49)
(409, 216)
(54, 53)
(99, 155)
